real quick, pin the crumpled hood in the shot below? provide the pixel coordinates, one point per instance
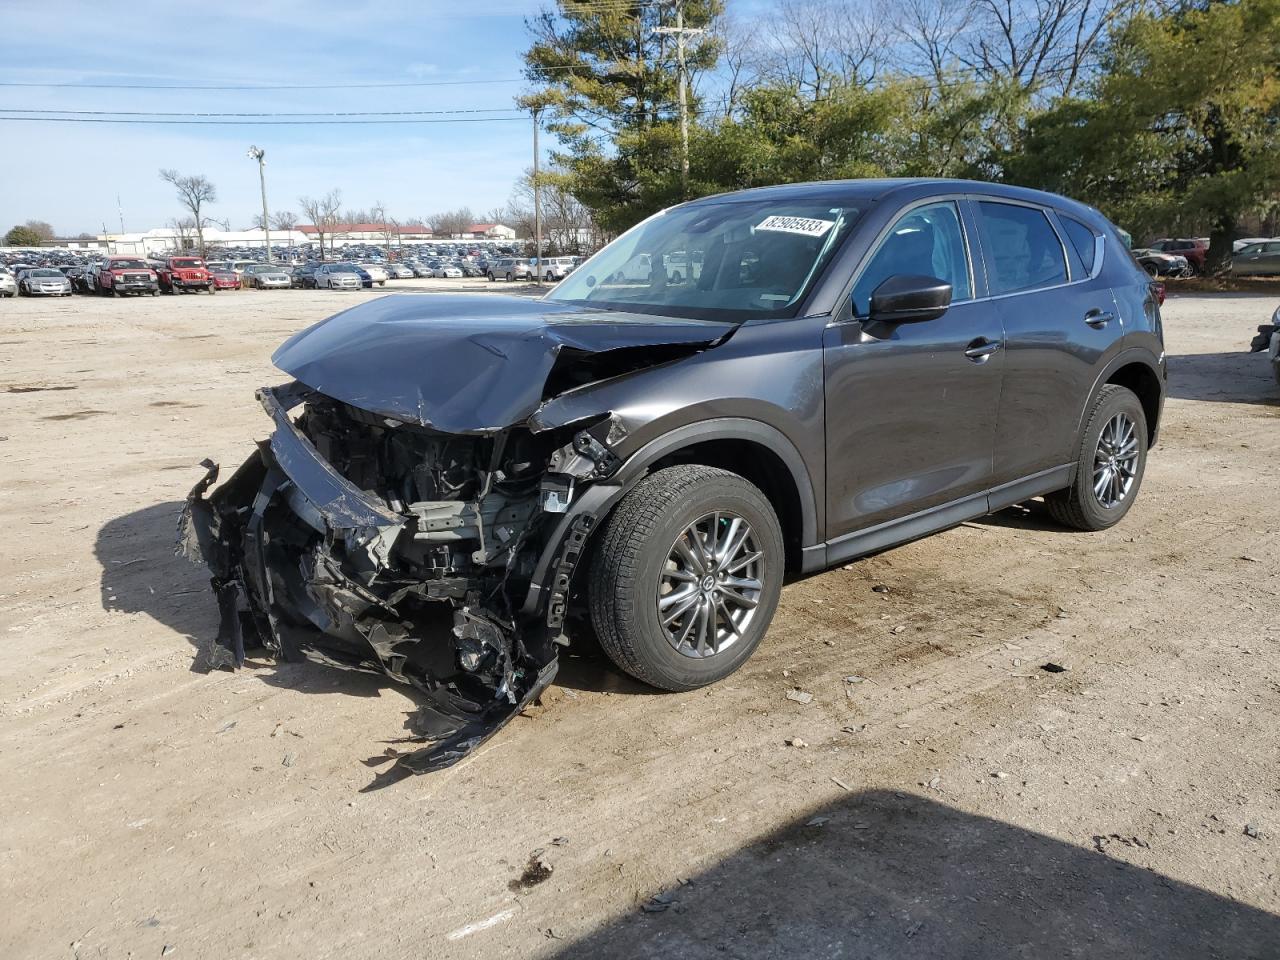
(464, 364)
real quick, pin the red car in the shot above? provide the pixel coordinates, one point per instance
(183, 274)
(225, 279)
(120, 275)
(1194, 250)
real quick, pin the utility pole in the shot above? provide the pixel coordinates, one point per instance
(120, 213)
(679, 30)
(257, 153)
(537, 205)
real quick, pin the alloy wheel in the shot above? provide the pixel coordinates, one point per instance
(1115, 462)
(710, 585)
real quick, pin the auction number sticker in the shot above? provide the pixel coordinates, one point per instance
(805, 226)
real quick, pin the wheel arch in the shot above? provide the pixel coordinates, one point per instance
(1137, 370)
(758, 452)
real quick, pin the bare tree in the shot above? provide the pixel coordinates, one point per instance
(811, 46)
(389, 226)
(284, 220)
(42, 228)
(1042, 46)
(325, 214)
(184, 229)
(194, 191)
(452, 223)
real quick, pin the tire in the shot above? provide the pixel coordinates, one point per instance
(155, 293)
(634, 551)
(211, 288)
(491, 276)
(1152, 270)
(1079, 506)
(508, 278)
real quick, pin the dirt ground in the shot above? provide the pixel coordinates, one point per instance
(952, 798)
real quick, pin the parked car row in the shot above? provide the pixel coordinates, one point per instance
(1250, 257)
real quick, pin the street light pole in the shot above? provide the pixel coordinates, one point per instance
(257, 153)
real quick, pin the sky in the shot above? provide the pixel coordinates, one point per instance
(467, 56)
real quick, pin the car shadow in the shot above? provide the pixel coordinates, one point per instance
(892, 875)
(1235, 377)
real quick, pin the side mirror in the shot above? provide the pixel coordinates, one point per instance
(908, 298)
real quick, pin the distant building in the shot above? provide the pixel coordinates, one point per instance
(490, 231)
(163, 239)
(368, 232)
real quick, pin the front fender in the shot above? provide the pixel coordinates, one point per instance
(564, 546)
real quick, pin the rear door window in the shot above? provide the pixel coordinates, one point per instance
(1082, 239)
(1021, 249)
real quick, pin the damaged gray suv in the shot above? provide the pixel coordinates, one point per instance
(738, 390)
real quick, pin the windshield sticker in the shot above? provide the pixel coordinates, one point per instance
(805, 226)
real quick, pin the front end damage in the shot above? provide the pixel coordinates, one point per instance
(367, 542)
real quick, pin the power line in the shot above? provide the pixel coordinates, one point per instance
(189, 114)
(258, 123)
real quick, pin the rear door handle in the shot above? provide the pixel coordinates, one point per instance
(980, 349)
(1098, 318)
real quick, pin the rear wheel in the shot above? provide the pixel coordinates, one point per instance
(1152, 270)
(686, 577)
(1110, 465)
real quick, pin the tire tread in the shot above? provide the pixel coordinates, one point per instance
(615, 570)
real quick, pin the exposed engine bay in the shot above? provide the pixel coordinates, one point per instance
(363, 542)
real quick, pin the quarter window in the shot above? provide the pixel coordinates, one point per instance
(926, 241)
(1082, 238)
(1022, 250)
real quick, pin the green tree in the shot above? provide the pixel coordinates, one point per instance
(609, 92)
(1181, 128)
(22, 236)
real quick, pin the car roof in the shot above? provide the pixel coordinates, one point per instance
(871, 190)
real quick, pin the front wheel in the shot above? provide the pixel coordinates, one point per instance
(686, 578)
(1111, 462)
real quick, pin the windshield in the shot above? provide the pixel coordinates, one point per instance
(714, 261)
(188, 262)
(343, 268)
(46, 273)
(128, 265)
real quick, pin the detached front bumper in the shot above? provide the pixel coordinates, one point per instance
(304, 564)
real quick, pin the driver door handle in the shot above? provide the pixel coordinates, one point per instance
(980, 349)
(1098, 318)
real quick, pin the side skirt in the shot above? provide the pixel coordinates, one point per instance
(893, 533)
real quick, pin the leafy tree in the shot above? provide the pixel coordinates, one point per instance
(609, 93)
(22, 236)
(194, 191)
(1180, 130)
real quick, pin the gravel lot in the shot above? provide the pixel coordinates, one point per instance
(956, 800)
